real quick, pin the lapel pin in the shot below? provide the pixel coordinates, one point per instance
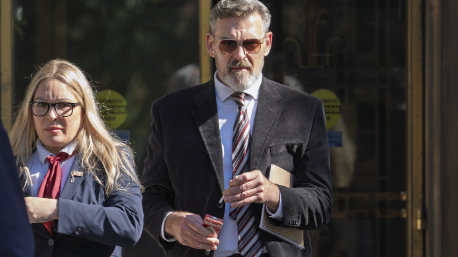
(76, 174)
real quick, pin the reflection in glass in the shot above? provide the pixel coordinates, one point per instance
(356, 50)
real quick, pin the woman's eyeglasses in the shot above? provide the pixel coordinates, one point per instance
(63, 109)
(251, 46)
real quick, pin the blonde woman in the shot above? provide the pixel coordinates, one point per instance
(81, 190)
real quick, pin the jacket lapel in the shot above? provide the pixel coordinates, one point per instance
(74, 179)
(267, 114)
(206, 116)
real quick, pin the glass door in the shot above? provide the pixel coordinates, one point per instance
(352, 54)
(140, 49)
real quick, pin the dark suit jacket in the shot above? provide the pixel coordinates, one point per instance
(184, 165)
(90, 222)
(16, 238)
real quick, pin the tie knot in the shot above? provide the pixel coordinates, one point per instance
(59, 157)
(239, 98)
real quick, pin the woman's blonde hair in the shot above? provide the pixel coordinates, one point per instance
(99, 151)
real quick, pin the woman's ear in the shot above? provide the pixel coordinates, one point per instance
(83, 114)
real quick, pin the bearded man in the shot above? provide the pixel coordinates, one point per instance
(218, 141)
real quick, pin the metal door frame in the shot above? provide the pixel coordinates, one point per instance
(416, 221)
(6, 61)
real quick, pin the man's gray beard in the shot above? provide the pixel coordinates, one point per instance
(239, 81)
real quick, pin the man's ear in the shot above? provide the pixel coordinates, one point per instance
(210, 49)
(268, 42)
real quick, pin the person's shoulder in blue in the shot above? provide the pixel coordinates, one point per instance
(16, 238)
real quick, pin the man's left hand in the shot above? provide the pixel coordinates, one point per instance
(252, 187)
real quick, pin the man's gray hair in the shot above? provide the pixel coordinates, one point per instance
(239, 8)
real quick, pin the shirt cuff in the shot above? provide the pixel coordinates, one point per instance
(172, 239)
(279, 214)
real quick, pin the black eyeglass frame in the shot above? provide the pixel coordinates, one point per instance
(240, 43)
(55, 109)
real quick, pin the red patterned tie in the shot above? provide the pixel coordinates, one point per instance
(249, 242)
(50, 187)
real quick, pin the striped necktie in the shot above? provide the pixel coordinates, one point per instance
(249, 242)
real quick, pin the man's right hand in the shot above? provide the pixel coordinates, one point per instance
(188, 230)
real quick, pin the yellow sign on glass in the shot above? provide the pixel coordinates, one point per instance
(332, 106)
(115, 112)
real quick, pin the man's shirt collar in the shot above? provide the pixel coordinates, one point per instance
(224, 92)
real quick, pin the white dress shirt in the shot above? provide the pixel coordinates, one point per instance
(227, 113)
(38, 165)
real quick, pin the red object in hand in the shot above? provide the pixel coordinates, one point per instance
(213, 222)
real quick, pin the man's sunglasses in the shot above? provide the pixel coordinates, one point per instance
(251, 46)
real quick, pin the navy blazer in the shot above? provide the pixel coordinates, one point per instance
(90, 222)
(16, 239)
(184, 165)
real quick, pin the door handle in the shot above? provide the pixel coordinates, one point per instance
(421, 221)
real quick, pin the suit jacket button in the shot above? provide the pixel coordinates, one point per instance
(50, 242)
(78, 230)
